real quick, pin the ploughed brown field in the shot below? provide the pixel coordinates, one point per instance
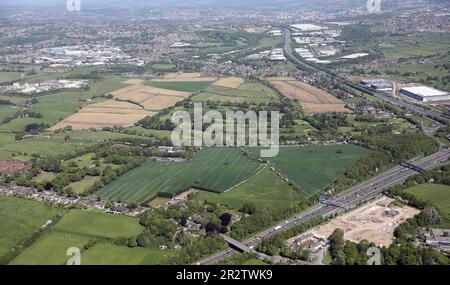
(149, 97)
(183, 77)
(229, 82)
(109, 113)
(312, 99)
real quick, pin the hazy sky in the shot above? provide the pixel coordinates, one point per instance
(168, 2)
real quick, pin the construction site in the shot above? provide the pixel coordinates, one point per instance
(374, 222)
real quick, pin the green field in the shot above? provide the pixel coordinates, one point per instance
(437, 195)
(163, 67)
(51, 249)
(251, 92)
(42, 146)
(99, 224)
(81, 161)
(254, 261)
(6, 139)
(19, 218)
(45, 176)
(6, 111)
(265, 190)
(84, 184)
(96, 136)
(187, 86)
(150, 132)
(314, 168)
(10, 76)
(109, 254)
(158, 201)
(419, 44)
(215, 169)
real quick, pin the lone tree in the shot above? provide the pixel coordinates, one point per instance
(211, 228)
(226, 219)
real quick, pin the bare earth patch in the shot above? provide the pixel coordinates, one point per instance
(229, 82)
(99, 115)
(134, 81)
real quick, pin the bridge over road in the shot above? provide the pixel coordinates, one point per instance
(243, 248)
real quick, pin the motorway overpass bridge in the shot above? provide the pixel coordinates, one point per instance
(236, 244)
(242, 247)
(412, 166)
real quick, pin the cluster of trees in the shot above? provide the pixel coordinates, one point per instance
(346, 252)
(5, 102)
(440, 175)
(443, 132)
(328, 122)
(276, 245)
(402, 146)
(365, 167)
(195, 249)
(262, 218)
(401, 252)
(237, 259)
(124, 159)
(22, 114)
(156, 123)
(161, 229)
(370, 119)
(93, 75)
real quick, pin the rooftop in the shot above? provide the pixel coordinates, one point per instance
(425, 91)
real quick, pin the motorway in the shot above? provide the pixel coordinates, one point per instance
(350, 198)
(394, 101)
(356, 195)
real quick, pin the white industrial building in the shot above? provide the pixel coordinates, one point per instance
(425, 94)
(307, 27)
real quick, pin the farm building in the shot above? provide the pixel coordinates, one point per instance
(425, 94)
(439, 238)
(378, 84)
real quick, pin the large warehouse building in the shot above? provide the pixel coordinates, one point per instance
(425, 94)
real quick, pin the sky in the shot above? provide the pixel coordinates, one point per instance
(165, 2)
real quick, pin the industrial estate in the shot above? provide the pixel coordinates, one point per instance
(87, 115)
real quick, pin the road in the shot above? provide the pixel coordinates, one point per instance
(350, 198)
(392, 100)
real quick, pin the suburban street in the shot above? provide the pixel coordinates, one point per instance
(350, 198)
